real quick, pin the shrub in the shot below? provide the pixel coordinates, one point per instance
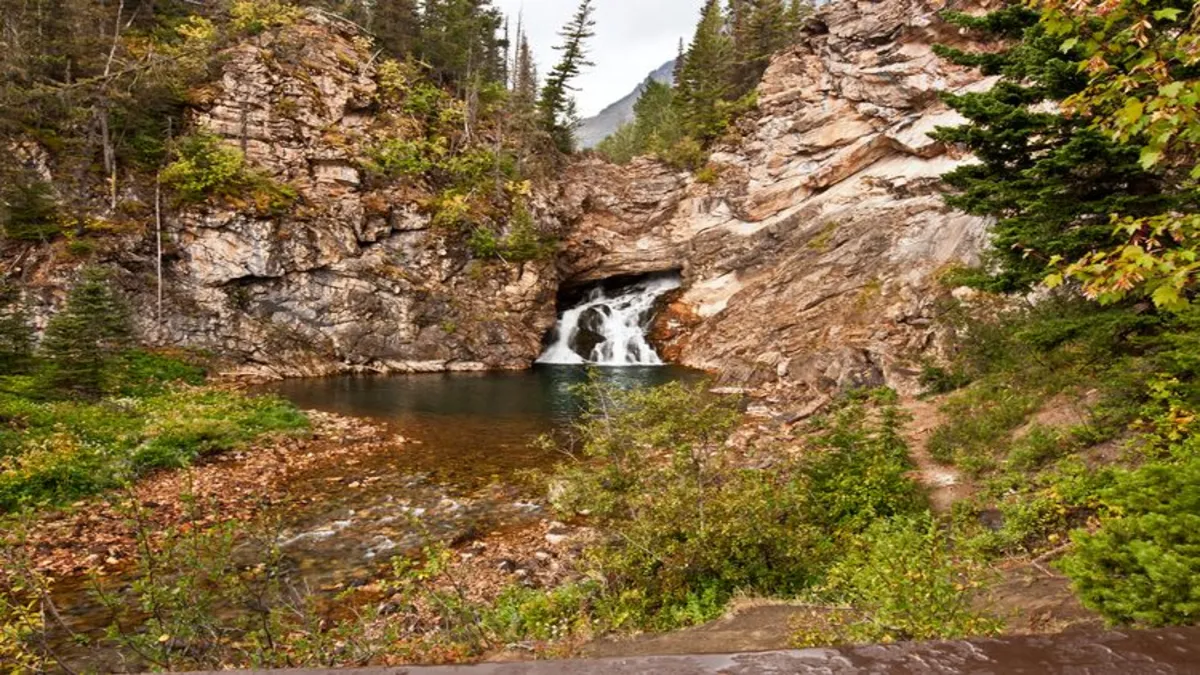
(206, 166)
(521, 243)
(256, 16)
(858, 471)
(939, 380)
(688, 523)
(688, 527)
(981, 421)
(396, 157)
(708, 174)
(902, 581)
(1143, 565)
(395, 78)
(685, 154)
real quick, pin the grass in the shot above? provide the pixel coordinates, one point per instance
(56, 452)
(1038, 482)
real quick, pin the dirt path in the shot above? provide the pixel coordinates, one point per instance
(946, 485)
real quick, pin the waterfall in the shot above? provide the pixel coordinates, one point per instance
(609, 328)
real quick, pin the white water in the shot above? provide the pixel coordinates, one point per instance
(618, 324)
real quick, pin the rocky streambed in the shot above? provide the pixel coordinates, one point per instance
(394, 463)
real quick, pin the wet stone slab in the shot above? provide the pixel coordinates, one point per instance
(1163, 652)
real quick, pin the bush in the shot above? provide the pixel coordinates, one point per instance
(902, 581)
(398, 157)
(207, 167)
(688, 523)
(1143, 565)
(521, 243)
(256, 16)
(685, 154)
(687, 526)
(981, 421)
(858, 471)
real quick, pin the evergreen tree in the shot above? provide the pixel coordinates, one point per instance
(703, 86)
(28, 208)
(523, 101)
(16, 334)
(557, 106)
(396, 25)
(84, 337)
(525, 79)
(1051, 181)
(654, 130)
(459, 42)
(798, 10)
(768, 30)
(677, 67)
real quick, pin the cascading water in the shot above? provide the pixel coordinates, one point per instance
(609, 328)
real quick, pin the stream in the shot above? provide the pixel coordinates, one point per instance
(462, 441)
(467, 437)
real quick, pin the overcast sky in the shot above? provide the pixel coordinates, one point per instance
(633, 37)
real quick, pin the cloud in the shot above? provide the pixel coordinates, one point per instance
(633, 37)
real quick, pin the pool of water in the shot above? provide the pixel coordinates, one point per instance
(469, 428)
(467, 437)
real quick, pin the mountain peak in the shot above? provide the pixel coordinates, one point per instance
(595, 129)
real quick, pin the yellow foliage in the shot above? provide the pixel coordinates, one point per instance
(255, 16)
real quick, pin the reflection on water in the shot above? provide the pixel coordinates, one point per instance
(542, 393)
(469, 426)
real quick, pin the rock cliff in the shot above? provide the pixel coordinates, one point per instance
(809, 262)
(812, 260)
(355, 278)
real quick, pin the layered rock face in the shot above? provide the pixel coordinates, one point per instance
(355, 277)
(812, 261)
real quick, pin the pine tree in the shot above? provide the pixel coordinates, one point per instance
(28, 208)
(396, 24)
(704, 80)
(16, 334)
(654, 129)
(798, 11)
(84, 337)
(768, 31)
(758, 29)
(677, 67)
(1051, 181)
(523, 100)
(557, 107)
(459, 42)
